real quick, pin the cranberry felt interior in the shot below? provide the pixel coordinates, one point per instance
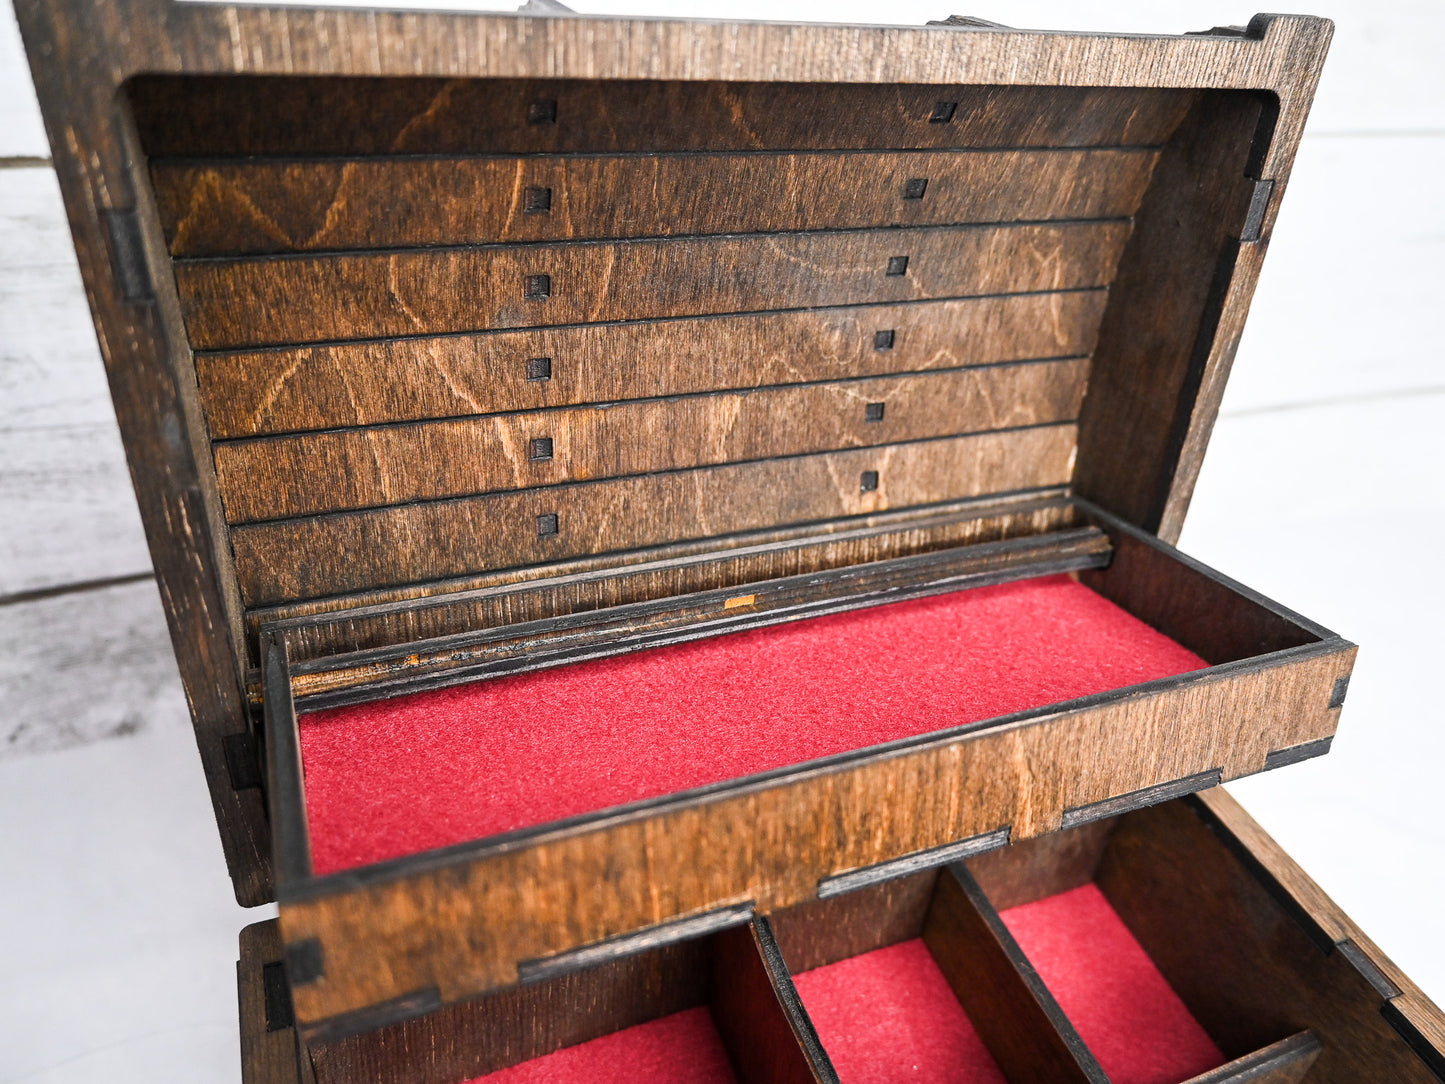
(399, 776)
(890, 1016)
(683, 1047)
(1121, 1006)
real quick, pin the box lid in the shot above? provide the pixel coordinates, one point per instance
(395, 305)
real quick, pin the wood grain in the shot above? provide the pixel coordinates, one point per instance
(270, 1053)
(762, 1022)
(323, 627)
(298, 299)
(559, 641)
(289, 559)
(1284, 1062)
(1158, 336)
(283, 477)
(1213, 616)
(472, 1038)
(219, 116)
(1268, 859)
(1241, 962)
(1032, 869)
(247, 207)
(578, 885)
(393, 380)
(818, 932)
(1013, 1011)
(85, 86)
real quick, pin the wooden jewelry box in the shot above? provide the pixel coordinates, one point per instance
(612, 481)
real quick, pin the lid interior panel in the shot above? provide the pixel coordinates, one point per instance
(449, 328)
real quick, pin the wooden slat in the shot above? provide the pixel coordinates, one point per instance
(314, 628)
(276, 300)
(292, 559)
(210, 115)
(223, 208)
(392, 380)
(551, 642)
(279, 477)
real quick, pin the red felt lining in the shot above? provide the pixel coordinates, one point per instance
(395, 777)
(683, 1047)
(890, 1016)
(1123, 1008)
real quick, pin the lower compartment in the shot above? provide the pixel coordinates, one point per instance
(683, 1047)
(1167, 945)
(890, 1014)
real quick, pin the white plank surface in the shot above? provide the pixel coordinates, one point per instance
(117, 924)
(1321, 488)
(67, 510)
(84, 665)
(22, 134)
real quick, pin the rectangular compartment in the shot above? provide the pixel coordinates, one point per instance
(1167, 945)
(803, 756)
(718, 1009)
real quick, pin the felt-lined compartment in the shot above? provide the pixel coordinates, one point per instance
(888, 1016)
(683, 1048)
(712, 1009)
(924, 978)
(395, 777)
(1122, 1007)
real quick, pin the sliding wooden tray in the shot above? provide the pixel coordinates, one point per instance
(1207, 952)
(365, 942)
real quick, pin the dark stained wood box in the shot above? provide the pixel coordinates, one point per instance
(450, 348)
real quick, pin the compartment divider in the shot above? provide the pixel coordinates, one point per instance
(1014, 1013)
(759, 1015)
(1284, 1062)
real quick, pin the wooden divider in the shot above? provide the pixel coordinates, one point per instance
(1012, 1010)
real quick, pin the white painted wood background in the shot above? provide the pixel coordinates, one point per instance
(1322, 489)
